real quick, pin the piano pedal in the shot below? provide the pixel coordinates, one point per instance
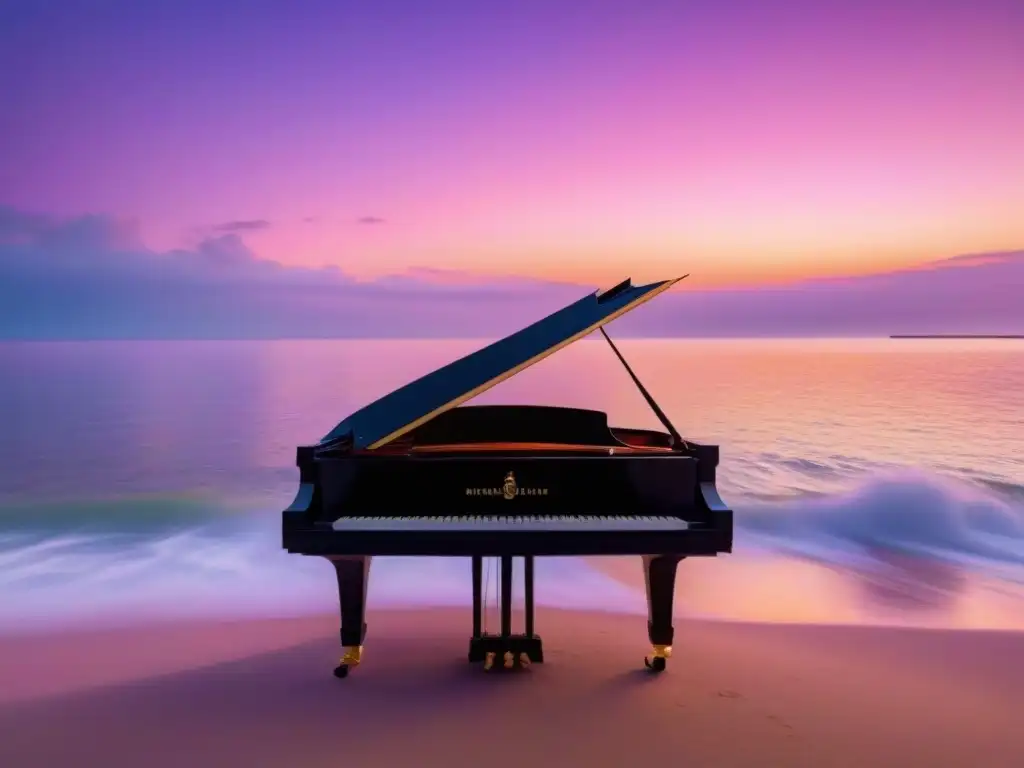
(489, 660)
(657, 661)
(510, 660)
(524, 660)
(352, 656)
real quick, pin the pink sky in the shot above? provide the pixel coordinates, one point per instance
(721, 138)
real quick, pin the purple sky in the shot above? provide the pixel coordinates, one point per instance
(154, 154)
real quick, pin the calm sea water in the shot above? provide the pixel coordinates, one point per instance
(873, 480)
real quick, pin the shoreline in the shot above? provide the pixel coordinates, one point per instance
(261, 692)
(899, 591)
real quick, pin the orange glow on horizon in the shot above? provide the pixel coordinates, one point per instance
(711, 264)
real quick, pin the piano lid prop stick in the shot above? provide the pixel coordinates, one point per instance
(676, 437)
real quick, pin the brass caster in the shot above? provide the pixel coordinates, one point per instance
(351, 656)
(489, 660)
(658, 659)
(524, 660)
(510, 660)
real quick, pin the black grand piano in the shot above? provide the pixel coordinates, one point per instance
(417, 473)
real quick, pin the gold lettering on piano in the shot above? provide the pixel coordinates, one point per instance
(508, 490)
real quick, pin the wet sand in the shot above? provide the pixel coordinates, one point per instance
(261, 693)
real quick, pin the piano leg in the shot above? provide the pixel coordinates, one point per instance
(353, 578)
(660, 580)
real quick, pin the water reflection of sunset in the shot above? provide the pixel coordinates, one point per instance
(758, 588)
(832, 402)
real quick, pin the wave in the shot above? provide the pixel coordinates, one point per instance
(238, 570)
(904, 510)
(192, 555)
(136, 514)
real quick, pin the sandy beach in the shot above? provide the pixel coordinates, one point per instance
(261, 693)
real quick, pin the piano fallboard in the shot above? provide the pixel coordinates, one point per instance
(504, 484)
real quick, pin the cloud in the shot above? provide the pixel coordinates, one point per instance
(85, 278)
(243, 225)
(17, 225)
(47, 233)
(972, 259)
(974, 294)
(369, 220)
(90, 277)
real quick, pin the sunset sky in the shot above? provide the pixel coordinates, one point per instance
(744, 142)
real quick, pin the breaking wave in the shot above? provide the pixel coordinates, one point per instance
(906, 511)
(187, 556)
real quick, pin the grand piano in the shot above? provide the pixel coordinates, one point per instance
(418, 473)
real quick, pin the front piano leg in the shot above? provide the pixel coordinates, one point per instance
(353, 578)
(660, 580)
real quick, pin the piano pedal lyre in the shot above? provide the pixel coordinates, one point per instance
(353, 654)
(657, 660)
(489, 658)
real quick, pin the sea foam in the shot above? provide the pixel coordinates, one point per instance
(907, 511)
(216, 562)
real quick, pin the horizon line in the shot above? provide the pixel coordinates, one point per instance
(489, 338)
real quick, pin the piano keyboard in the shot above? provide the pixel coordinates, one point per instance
(489, 524)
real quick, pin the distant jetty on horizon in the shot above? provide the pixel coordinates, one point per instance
(957, 336)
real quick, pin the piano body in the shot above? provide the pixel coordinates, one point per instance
(417, 473)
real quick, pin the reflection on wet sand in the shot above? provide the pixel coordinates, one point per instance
(904, 582)
(893, 589)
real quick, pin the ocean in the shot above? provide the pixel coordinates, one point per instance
(873, 480)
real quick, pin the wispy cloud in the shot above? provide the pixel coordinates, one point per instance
(243, 225)
(973, 259)
(90, 277)
(369, 220)
(976, 294)
(82, 278)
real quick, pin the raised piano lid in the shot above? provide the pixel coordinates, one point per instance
(421, 400)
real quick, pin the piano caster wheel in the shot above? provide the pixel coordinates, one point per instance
(352, 656)
(657, 664)
(489, 660)
(658, 659)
